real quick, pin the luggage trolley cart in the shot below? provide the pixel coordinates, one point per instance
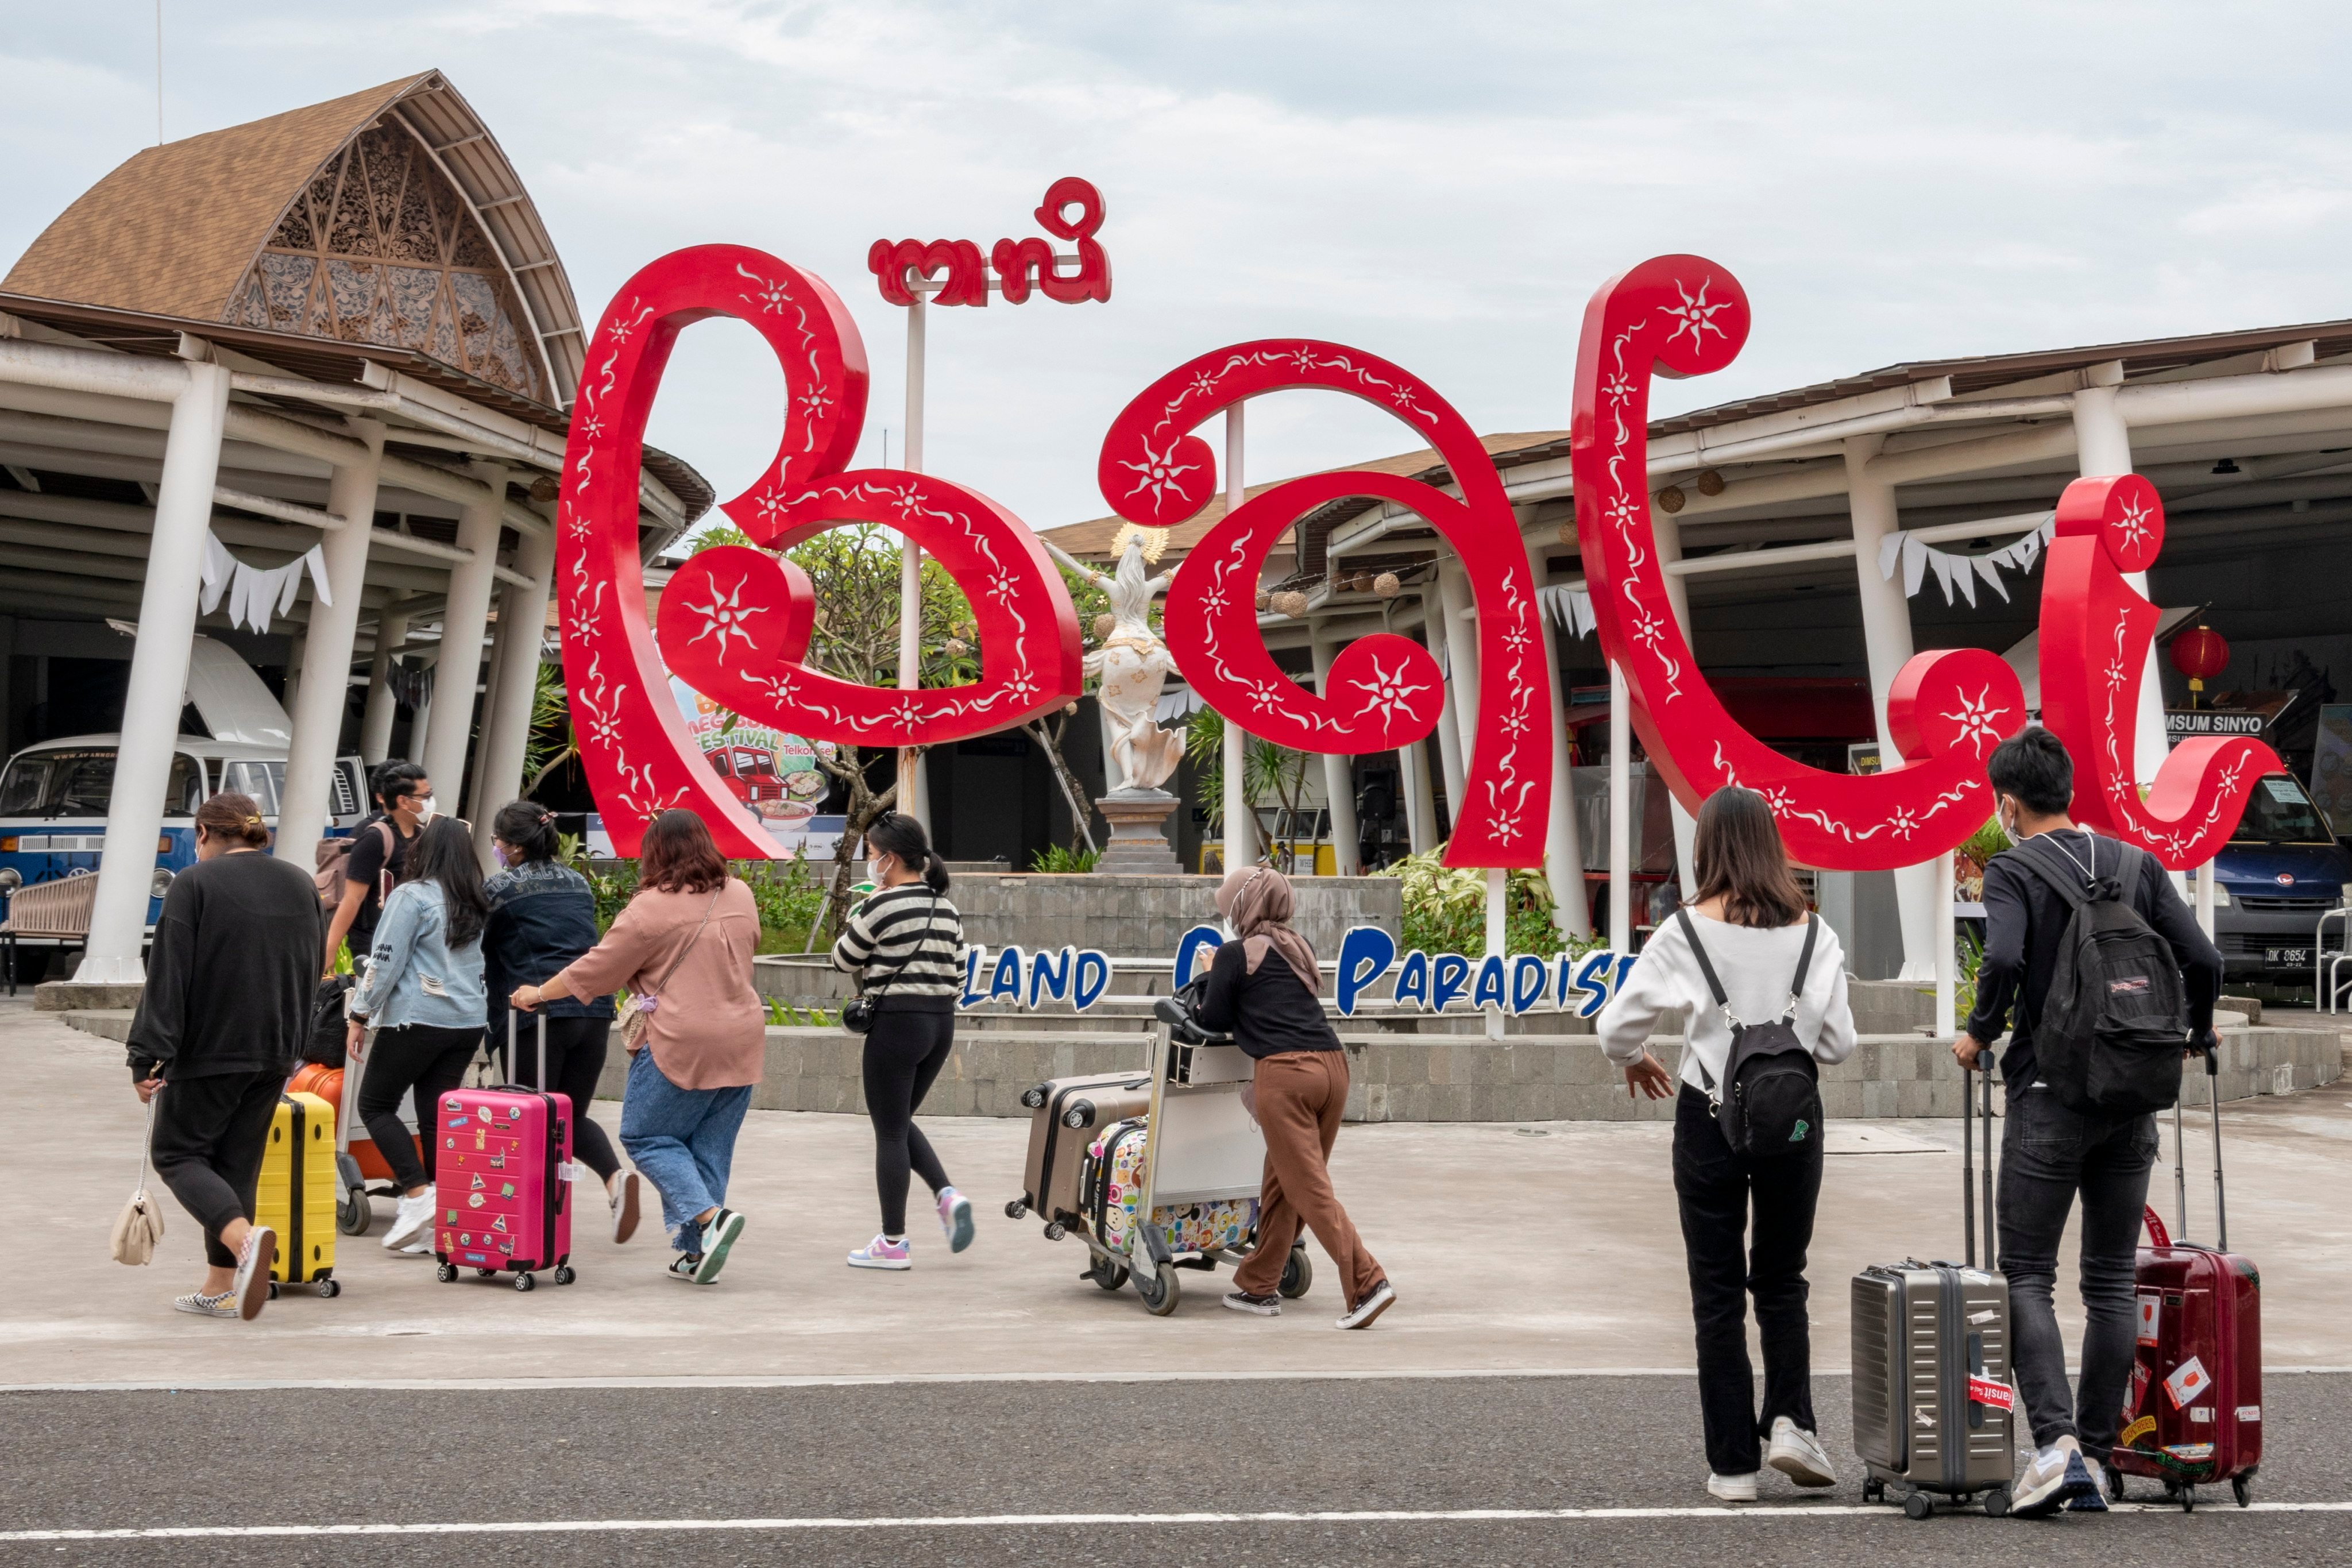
(1199, 1146)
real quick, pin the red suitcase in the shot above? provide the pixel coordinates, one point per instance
(503, 1179)
(2193, 1414)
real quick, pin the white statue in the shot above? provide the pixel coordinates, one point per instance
(1133, 663)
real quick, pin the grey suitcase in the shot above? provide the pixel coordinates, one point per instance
(1932, 1408)
(1064, 1112)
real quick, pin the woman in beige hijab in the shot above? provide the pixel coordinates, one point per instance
(1263, 990)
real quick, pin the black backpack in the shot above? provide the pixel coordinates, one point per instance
(1769, 1103)
(2109, 1036)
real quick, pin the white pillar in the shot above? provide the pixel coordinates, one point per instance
(1420, 802)
(1462, 657)
(1886, 640)
(914, 799)
(1563, 847)
(159, 680)
(303, 805)
(1948, 959)
(1621, 826)
(505, 727)
(2205, 899)
(2103, 447)
(1240, 832)
(1338, 778)
(1449, 723)
(1497, 934)
(470, 805)
(462, 623)
(375, 719)
(420, 718)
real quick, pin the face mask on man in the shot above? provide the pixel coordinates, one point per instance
(426, 810)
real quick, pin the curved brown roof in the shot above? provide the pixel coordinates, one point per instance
(387, 216)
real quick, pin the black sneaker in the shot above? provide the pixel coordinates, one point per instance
(1377, 1300)
(1264, 1306)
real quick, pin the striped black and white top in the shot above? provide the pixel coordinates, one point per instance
(907, 944)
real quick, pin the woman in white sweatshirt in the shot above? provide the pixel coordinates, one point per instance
(1770, 959)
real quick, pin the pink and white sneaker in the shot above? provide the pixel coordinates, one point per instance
(955, 1218)
(883, 1253)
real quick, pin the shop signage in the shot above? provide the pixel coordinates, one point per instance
(2178, 721)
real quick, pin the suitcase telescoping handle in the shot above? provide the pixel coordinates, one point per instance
(543, 1046)
(2180, 1153)
(1967, 1164)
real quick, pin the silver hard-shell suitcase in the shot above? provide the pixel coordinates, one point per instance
(1932, 1408)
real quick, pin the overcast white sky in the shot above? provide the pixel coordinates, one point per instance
(1442, 184)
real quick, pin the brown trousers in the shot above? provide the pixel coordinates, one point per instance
(1300, 1096)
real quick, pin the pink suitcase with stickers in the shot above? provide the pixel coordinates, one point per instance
(502, 1161)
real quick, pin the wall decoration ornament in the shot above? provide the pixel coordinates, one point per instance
(2093, 642)
(1956, 572)
(1021, 265)
(1682, 316)
(258, 595)
(735, 621)
(1384, 691)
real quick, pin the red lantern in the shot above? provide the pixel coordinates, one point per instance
(2197, 654)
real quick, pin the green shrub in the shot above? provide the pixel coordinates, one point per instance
(786, 892)
(1445, 909)
(1059, 861)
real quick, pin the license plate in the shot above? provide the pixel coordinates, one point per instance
(2295, 955)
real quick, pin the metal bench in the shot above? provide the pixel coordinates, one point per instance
(50, 911)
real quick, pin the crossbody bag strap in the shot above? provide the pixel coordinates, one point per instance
(1804, 961)
(931, 913)
(682, 952)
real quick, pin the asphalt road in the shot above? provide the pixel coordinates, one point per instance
(561, 1457)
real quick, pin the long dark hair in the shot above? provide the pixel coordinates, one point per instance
(1739, 859)
(895, 833)
(444, 854)
(529, 826)
(678, 856)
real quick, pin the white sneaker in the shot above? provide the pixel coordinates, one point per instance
(1733, 1489)
(1378, 1299)
(1798, 1455)
(622, 1190)
(955, 1218)
(415, 1218)
(883, 1253)
(250, 1287)
(2057, 1476)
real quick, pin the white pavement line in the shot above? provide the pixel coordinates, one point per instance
(885, 1379)
(1057, 1521)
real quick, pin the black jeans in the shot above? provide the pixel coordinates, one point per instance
(575, 1061)
(2048, 1154)
(1715, 1187)
(904, 1054)
(421, 1061)
(210, 1135)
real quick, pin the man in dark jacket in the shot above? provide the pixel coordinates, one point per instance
(2051, 1153)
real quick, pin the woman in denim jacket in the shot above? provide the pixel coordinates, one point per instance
(543, 916)
(423, 997)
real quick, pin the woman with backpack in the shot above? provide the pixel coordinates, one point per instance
(1744, 953)
(423, 997)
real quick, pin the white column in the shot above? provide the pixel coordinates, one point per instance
(303, 806)
(1497, 934)
(506, 728)
(1449, 723)
(1886, 640)
(2205, 899)
(2103, 447)
(1240, 830)
(375, 719)
(1563, 847)
(159, 680)
(462, 623)
(470, 804)
(1338, 777)
(1420, 802)
(1462, 657)
(1948, 959)
(420, 718)
(913, 798)
(1621, 826)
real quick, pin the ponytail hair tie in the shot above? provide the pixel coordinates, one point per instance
(253, 820)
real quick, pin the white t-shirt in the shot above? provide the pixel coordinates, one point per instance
(1755, 967)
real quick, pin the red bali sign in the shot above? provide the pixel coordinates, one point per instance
(1073, 209)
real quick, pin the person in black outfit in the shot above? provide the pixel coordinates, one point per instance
(378, 857)
(543, 916)
(2051, 1153)
(221, 1021)
(1263, 991)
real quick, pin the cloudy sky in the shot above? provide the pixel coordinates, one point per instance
(1444, 186)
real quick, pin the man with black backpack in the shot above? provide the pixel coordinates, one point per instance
(2110, 978)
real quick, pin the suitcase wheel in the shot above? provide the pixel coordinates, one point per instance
(1056, 1230)
(2241, 1487)
(2114, 1484)
(1109, 1275)
(563, 1274)
(273, 1289)
(1996, 1503)
(446, 1273)
(1015, 1209)
(1874, 1489)
(1918, 1505)
(525, 1282)
(486, 1273)
(331, 1288)
(1298, 1275)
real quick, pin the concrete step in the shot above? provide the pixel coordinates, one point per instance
(107, 1022)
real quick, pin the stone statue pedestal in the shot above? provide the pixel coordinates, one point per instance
(1139, 840)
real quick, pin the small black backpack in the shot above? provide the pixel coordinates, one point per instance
(1769, 1102)
(2110, 1037)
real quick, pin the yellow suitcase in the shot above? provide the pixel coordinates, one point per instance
(295, 1195)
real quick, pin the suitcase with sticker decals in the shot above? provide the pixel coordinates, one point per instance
(503, 1179)
(2193, 1414)
(1933, 1407)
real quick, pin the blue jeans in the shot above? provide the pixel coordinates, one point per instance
(683, 1140)
(2048, 1154)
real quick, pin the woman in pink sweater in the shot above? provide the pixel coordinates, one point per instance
(683, 950)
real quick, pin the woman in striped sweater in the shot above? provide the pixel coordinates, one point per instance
(904, 943)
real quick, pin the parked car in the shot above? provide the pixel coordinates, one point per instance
(2281, 869)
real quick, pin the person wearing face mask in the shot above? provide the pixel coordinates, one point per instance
(2052, 1153)
(379, 854)
(1263, 990)
(904, 943)
(542, 917)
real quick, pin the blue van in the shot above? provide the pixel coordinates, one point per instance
(2281, 871)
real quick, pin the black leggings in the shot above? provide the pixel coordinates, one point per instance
(904, 1052)
(575, 1061)
(210, 1135)
(418, 1059)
